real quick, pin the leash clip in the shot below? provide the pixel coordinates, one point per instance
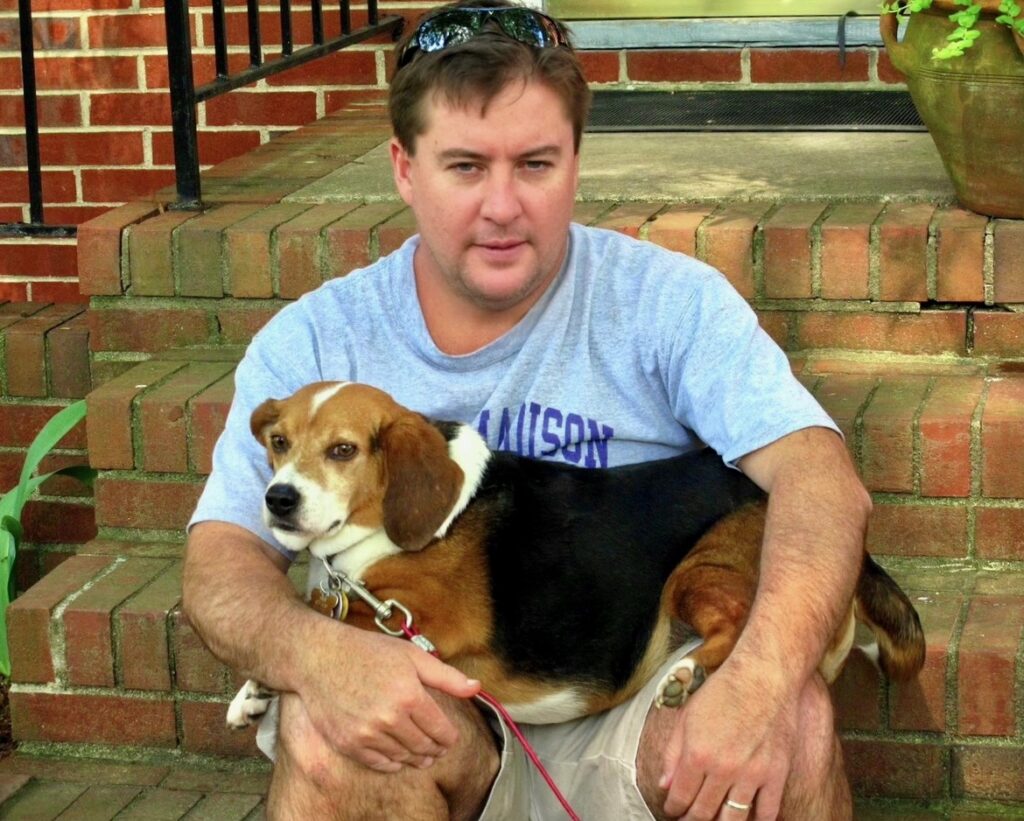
(341, 585)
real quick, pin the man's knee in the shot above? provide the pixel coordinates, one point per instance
(309, 772)
(817, 786)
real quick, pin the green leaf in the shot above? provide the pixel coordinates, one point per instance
(46, 440)
(12, 526)
(6, 580)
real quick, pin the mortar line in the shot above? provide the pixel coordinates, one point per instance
(975, 497)
(988, 265)
(917, 439)
(817, 243)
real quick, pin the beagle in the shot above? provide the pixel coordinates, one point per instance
(555, 586)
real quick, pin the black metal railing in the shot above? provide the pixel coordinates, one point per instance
(35, 225)
(185, 97)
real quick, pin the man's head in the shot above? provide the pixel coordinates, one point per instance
(486, 153)
(468, 52)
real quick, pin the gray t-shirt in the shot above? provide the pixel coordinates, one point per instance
(635, 353)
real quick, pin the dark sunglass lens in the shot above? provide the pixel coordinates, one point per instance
(435, 35)
(523, 25)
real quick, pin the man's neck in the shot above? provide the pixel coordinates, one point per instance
(457, 325)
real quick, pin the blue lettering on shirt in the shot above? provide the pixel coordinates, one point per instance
(548, 433)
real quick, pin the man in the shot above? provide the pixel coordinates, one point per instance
(560, 342)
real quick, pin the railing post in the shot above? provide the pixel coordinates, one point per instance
(28, 77)
(183, 104)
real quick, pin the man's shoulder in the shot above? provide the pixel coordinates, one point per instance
(622, 261)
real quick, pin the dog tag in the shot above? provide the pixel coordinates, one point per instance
(325, 603)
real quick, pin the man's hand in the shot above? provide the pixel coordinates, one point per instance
(367, 696)
(734, 739)
(364, 693)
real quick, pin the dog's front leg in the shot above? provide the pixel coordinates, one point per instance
(249, 705)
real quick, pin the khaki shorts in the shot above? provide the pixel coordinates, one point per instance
(592, 760)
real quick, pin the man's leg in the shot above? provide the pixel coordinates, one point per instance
(312, 781)
(817, 788)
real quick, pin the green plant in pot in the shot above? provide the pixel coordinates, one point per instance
(964, 64)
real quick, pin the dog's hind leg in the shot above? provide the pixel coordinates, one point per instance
(712, 591)
(716, 608)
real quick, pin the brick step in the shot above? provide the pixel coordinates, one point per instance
(907, 278)
(103, 656)
(939, 444)
(45, 350)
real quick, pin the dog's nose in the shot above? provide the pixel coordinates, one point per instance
(282, 499)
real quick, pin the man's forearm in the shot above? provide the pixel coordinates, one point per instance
(242, 604)
(812, 553)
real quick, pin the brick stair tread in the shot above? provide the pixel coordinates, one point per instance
(887, 275)
(40, 789)
(43, 788)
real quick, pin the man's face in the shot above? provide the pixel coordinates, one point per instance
(493, 195)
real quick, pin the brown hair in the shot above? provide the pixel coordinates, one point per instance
(479, 70)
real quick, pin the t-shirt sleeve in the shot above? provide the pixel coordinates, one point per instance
(278, 362)
(728, 380)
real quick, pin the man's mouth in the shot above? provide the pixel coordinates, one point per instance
(501, 245)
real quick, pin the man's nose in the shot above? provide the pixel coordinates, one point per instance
(502, 202)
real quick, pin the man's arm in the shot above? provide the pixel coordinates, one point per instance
(365, 693)
(736, 735)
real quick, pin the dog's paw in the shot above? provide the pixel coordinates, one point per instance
(249, 705)
(679, 683)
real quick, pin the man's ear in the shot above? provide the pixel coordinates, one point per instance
(401, 163)
(263, 417)
(422, 481)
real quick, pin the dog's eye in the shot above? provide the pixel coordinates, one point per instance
(342, 452)
(278, 443)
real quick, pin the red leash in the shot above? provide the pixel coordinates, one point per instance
(412, 634)
(339, 584)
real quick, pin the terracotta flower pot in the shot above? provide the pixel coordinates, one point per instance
(972, 105)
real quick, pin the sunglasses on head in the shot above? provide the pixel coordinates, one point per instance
(456, 26)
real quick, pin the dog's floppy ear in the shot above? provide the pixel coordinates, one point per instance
(264, 416)
(422, 481)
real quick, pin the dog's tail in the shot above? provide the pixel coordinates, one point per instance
(884, 607)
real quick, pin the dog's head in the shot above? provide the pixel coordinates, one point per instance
(348, 460)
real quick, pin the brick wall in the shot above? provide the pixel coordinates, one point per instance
(105, 112)
(44, 366)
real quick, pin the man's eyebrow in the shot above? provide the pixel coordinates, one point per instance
(450, 154)
(460, 154)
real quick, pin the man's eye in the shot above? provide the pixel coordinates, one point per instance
(463, 167)
(537, 165)
(278, 443)
(342, 452)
